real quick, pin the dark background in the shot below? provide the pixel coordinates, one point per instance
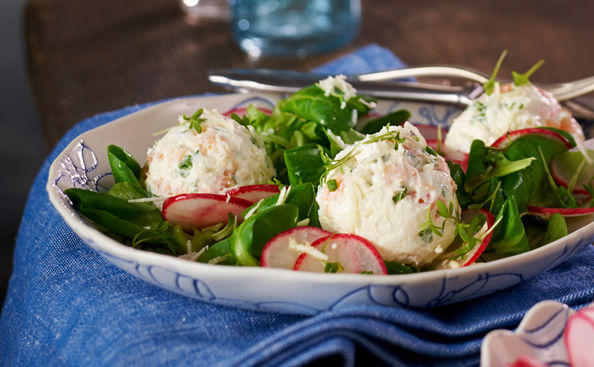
(22, 147)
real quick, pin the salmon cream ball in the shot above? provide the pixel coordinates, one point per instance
(509, 108)
(224, 154)
(388, 194)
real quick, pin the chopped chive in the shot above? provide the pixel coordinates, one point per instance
(401, 195)
(332, 185)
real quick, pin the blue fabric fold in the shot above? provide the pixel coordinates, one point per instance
(66, 305)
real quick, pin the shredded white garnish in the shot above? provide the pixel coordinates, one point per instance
(283, 195)
(307, 249)
(438, 250)
(337, 82)
(149, 200)
(216, 260)
(337, 139)
(354, 117)
(253, 210)
(371, 105)
(192, 255)
(303, 222)
(227, 198)
(482, 236)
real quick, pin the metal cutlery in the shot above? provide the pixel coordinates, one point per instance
(382, 85)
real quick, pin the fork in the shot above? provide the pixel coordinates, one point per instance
(561, 91)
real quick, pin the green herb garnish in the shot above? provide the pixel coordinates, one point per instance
(186, 163)
(333, 267)
(195, 120)
(367, 272)
(332, 185)
(522, 79)
(489, 85)
(428, 229)
(242, 120)
(399, 196)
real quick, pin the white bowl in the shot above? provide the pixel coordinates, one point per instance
(540, 336)
(84, 164)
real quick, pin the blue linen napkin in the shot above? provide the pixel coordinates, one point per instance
(66, 305)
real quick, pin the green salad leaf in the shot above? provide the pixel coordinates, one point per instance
(248, 240)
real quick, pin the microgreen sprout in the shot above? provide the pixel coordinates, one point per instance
(428, 229)
(522, 79)
(489, 85)
(195, 120)
(242, 120)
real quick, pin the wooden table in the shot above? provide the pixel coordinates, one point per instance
(88, 56)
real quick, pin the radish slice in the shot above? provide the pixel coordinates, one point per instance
(430, 132)
(253, 193)
(278, 254)
(526, 361)
(242, 111)
(566, 212)
(352, 253)
(513, 135)
(475, 253)
(444, 261)
(578, 337)
(565, 165)
(202, 210)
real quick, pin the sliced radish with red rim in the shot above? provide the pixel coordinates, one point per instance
(202, 210)
(578, 337)
(506, 139)
(566, 212)
(277, 252)
(347, 253)
(565, 166)
(242, 111)
(253, 193)
(431, 132)
(478, 250)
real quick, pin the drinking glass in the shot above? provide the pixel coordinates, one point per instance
(294, 27)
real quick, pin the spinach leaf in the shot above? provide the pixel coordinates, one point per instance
(303, 196)
(484, 163)
(556, 228)
(459, 177)
(311, 104)
(398, 268)
(141, 222)
(395, 118)
(127, 190)
(126, 158)
(250, 237)
(305, 164)
(221, 250)
(528, 185)
(509, 237)
(124, 168)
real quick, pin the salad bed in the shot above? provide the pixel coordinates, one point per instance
(249, 226)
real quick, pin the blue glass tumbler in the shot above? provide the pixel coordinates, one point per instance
(294, 27)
